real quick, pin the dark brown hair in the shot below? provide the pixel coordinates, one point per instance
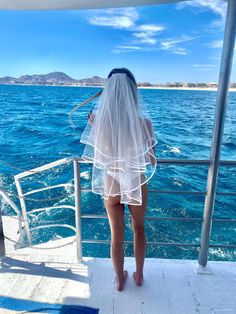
(123, 70)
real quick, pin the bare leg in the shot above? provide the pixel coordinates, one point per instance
(138, 217)
(115, 212)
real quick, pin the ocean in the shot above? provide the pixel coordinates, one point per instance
(35, 130)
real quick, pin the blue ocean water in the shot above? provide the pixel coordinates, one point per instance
(35, 131)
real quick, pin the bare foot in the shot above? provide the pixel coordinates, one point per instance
(121, 284)
(138, 279)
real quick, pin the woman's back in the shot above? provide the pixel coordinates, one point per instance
(120, 142)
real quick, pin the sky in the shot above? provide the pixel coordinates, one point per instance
(162, 43)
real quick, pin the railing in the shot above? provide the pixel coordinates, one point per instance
(4, 195)
(226, 163)
(77, 206)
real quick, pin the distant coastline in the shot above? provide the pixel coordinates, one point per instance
(185, 88)
(62, 79)
(139, 87)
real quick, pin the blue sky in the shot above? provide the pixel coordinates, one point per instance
(164, 43)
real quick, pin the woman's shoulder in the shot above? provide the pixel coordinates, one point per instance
(148, 122)
(147, 125)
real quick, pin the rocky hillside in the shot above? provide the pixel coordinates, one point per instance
(54, 78)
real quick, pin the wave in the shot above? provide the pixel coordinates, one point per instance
(172, 149)
(230, 142)
(175, 150)
(178, 182)
(85, 175)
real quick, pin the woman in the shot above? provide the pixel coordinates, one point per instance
(120, 142)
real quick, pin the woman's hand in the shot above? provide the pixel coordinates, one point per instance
(91, 117)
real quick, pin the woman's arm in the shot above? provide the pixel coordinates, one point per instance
(151, 133)
(91, 117)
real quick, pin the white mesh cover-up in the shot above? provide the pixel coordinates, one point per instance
(120, 143)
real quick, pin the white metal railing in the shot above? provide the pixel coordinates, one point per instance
(26, 213)
(180, 162)
(218, 128)
(77, 203)
(9, 201)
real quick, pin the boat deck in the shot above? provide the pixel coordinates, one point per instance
(170, 286)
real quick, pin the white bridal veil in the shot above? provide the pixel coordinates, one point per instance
(120, 142)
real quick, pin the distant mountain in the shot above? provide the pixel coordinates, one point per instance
(54, 78)
(51, 78)
(93, 80)
(6, 80)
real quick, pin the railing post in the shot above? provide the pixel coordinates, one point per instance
(13, 206)
(2, 243)
(224, 79)
(77, 209)
(24, 211)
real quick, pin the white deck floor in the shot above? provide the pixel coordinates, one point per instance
(170, 286)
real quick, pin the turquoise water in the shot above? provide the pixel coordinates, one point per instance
(35, 131)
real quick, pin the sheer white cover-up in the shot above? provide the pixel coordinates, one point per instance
(120, 143)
